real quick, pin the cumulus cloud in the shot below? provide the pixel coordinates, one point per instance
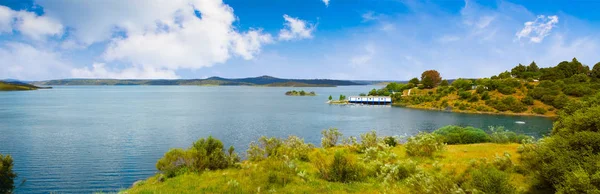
(326, 3)
(99, 70)
(296, 29)
(536, 30)
(29, 24)
(23, 61)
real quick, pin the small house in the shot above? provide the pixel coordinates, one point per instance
(373, 100)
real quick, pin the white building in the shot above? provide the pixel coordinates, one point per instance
(375, 100)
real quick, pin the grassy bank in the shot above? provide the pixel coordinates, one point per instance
(253, 177)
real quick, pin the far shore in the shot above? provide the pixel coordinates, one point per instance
(477, 112)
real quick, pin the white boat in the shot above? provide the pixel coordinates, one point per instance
(520, 122)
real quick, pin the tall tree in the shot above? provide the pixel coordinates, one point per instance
(518, 71)
(430, 78)
(533, 67)
(596, 71)
(414, 81)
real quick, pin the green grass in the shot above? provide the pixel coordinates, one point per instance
(303, 177)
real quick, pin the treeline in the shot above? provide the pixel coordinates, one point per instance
(516, 91)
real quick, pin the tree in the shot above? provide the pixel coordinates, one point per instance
(596, 71)
(504, 75)
(414, 81)
(330, 98)
(7, 175)
(430, 78)
(444, 83)
(533, 67)
(463, 84)
(518, 71)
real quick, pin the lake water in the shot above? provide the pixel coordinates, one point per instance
(82, 139)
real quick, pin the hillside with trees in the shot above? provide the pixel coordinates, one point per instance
(524, 90)
(16, 86)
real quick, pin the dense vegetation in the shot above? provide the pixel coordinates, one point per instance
(7, 175)
(299, 93)
(523, 90)
(253, 81)
(12, 86)
(424, 163)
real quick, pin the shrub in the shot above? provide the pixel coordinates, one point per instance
(462, 135)
(175, 162)
(464, 95)
(474, 98)
(528, 100)
(7, 176)
(330, 137)
(480, 89)
(205, 154)
(485, 96)
(488, 179)
(397, 171)
(506, 90)
(500, 135)
(343, 167)
(390, 141)
(433, 183)
(424, 144)
(539, 110)
(295, 148)
(560, 101)
(368, 140)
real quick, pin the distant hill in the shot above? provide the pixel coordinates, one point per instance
(13, 85)
(253, 81)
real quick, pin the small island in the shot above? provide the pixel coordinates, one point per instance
(300, 93)
(18, 86)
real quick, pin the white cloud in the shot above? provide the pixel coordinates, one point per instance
(29, 24)
(326, 3)
(99, 70)
(368, 16)
(536, 30)
(23, 61)
(448, 38)
(296, 29)
(365, 58)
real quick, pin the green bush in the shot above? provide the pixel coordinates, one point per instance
(474, 98)
(488, 179)
(485, 96)
(343, 167)
(462, 135)
(506, 90)
(7, 176)
(500, 135)
(368, 139)
(205, 154)
(538, 110)
(330, 137)
(432, 183)
(390, 141)
(398, 171)
(528, 100)
(424, 144)
(464, 95)
(176, 162)
(295, 148)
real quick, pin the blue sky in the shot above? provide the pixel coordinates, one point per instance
(338, 39)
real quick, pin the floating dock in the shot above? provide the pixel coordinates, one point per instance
(372, 100)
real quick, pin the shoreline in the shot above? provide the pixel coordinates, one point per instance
(469, 112)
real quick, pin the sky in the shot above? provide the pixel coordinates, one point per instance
(334, 39)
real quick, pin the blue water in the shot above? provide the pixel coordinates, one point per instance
(82, 139)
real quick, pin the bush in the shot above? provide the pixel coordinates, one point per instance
(500, 135)
(464, 95)
(528, 100)
(204, 154)
(343, 168)
(390, 141)
(432, 183)
(506, 90)
(488, 179)
(330, 137)
(480, 89)
(474, 98)
(397, 171)
(424, 144)
(175, 162)
(485, 96)
(7, 176)
(458, 135)
(368, 140)
(538, 110)
(295, 148)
